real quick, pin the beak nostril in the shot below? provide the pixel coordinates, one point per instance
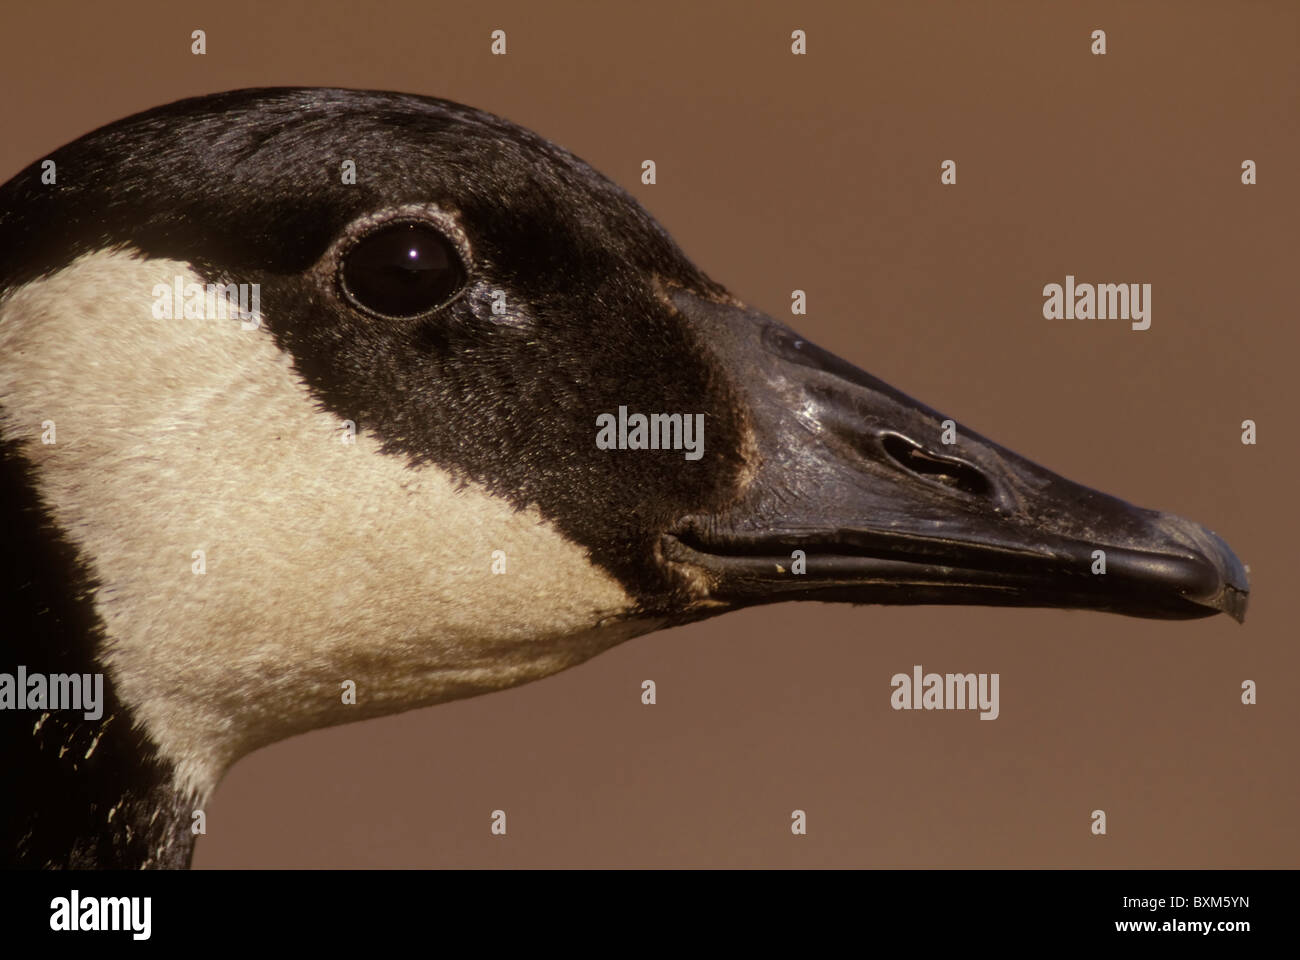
(945, 470)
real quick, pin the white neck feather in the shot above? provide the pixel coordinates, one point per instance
(325, 561)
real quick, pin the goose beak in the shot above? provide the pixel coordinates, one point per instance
(861, 494)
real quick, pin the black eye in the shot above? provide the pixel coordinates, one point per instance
(402, 270)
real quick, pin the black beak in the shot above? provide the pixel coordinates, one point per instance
(857, 497)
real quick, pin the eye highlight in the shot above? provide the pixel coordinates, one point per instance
(401, 270)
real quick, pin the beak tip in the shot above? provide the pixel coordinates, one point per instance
(1233, 593)
(1230, 599)
(1234, 603)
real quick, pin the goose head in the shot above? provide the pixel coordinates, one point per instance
(324, 404)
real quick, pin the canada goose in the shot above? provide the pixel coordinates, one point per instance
(436, 376)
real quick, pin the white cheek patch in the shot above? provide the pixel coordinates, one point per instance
(323, 561)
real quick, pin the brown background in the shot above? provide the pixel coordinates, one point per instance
(821, 173)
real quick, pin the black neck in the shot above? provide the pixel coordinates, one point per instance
(80, 793)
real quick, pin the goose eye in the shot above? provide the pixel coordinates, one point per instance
(401, 270)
